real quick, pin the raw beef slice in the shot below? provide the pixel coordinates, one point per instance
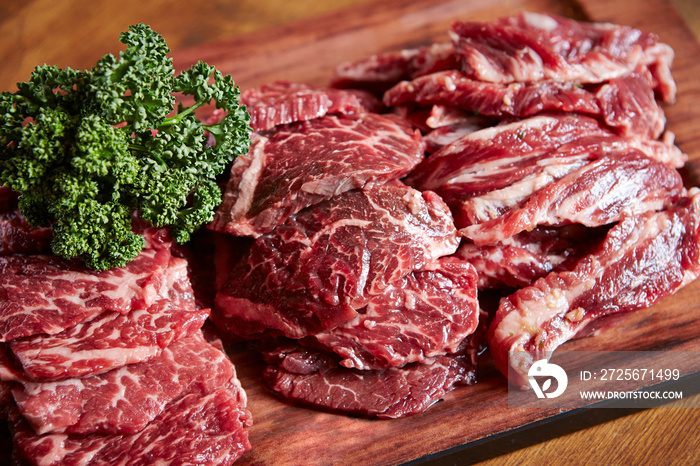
(284, 102)
(530, 47)
(47, 294)
(196, 429)
(301, 164)
(112, 339)
(315, 270)
(643, 259)
(125, 400)
(312, 377)
(425, 315)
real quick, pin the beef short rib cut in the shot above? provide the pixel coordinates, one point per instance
(597, 194)
(284, 102)
(125, 400)
(47, 294)
(113, 340)
(527, 256)
(196, 429)
(314, 271)
(643, 259)
(528, 152)
(301, 164)
(531, 47)
(624, 103)
(426, 314)
(312, 377)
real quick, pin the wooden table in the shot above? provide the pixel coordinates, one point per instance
(77, 32)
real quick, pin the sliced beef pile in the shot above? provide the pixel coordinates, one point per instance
(345, 265)
(547, 141)
(521, 66)
(99, 367)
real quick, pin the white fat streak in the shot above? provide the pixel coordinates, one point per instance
(540, 21)
(525, 321)
(249, 178)
(490, 205)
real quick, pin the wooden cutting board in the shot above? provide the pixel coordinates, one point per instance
(307, 51)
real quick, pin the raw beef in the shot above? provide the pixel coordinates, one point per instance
(284, 102)
(531, 47)
(625, 103)
(490, 172)
(423, 316)
(301, 164)
(47, 294)
(643, 259)
(529, 255)
(18, 236)
(314, 378)
(599, 193)
(379, 72)
(125, 400)
(315, 270)
(196, 429)
(113, 340)
(497, 157)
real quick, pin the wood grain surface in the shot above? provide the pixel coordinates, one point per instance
(257, 41)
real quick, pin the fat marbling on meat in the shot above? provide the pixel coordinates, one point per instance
(298, 165)
(643, 259)
(313, 272)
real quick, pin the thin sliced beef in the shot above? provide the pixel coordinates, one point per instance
(495, 158)
(532, 47)
(18, 236)
(381, 71)
(47, 294)
(597, 194)
(284, 102)
(113, 340)
(301, 164)
(196, 429)
(312, 377)
(527, 256)
(125, 400)
(423, 316)
(494, 171)
(643, 259)
(315, 270)
(626, 103)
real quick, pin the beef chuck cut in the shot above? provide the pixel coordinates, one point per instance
(113, 339)
(196, 429)
(424, 315)
(597, 194)
(125, 400)
(47, 294)
(530, 172)
(315, 270)
(642, 259)
(625, 103)
(529, 255)
(312, 377)
(284, 102)
(530, 47)
(301, 164)
(497, 157)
